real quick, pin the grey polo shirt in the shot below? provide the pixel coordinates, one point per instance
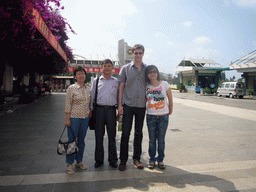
(107, 91)
(134, 94)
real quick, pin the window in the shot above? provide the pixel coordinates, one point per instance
(222, 85)
(239, 85)
(227, 85)
(232, 86)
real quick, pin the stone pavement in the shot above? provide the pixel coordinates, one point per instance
(208, 148)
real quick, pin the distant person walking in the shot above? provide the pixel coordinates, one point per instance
(105, 114)
(132, 102)
(77, 117)
(159, 107)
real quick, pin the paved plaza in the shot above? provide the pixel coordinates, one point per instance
(209, 147)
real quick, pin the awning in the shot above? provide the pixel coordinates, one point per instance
(44, 30)
(247, 62)
(63, 77)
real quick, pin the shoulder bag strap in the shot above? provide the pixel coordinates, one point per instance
(96, 91)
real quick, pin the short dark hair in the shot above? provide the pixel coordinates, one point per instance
(138, 46)
(106, 61)
(148, 69)
(79, 68)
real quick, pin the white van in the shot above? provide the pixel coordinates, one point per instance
(232, 89)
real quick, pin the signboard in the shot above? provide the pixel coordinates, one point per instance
(44, 30)
(93, 70)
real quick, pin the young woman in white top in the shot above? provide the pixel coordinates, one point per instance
(159, 107)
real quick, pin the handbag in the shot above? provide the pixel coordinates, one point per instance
(67, 148)
(92, 120)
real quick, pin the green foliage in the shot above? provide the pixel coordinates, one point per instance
(251, 92)
(180, 86)
(207, 90)
(214, 90)
(88, 77)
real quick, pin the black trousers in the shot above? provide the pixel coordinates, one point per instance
(128, 114)
(105, 117)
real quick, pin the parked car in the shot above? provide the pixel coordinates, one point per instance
(232, 89)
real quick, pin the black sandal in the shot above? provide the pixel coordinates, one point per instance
(161, 165)
(151, 165)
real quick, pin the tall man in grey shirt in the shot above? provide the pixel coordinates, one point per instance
(132, 102)
(105, 114)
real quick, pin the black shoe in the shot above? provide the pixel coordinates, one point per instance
(114, 165)
(122, 166)
(98, 164)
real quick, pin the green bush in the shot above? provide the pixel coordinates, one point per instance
(207, 90)
(251, 92)
(180, 86)
(214, 90)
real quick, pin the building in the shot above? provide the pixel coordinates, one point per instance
(247, 66)
(199, 73)
(91, 66)
(124, 52)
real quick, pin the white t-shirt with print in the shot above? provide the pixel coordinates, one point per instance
(157, 101)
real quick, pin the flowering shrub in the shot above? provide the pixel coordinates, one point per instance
(19, 37)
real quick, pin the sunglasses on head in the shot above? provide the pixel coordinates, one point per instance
(136, 53)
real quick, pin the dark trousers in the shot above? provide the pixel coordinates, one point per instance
(105, 117)
(128, 114)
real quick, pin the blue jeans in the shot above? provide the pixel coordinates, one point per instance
(79, 127)
(157, 126)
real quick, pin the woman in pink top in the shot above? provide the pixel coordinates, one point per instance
(77, 117)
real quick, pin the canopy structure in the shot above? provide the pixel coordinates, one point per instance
(199, 65)
(200, 73)
(245, 64)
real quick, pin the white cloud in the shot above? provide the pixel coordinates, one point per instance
(187, 24)
(160, 34)
(202, 40)
(172, 44)
(227, 3)
(149, 56)
(241, 53)
(99, 25)
(201, 52)
(245, 3)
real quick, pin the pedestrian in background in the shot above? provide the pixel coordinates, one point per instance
(77, 117)
(159, 107)
(106, 104)
(132, 102)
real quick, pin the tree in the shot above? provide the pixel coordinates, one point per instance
(223, 76)
(24, 48)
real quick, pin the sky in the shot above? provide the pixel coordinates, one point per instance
(170, 30)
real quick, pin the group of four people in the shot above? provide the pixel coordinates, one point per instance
(138, 89)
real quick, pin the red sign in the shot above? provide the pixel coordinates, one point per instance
(93, 70)
(44, 30)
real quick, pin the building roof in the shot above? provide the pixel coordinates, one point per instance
(199, 64)
(62, 77)
(246, 63)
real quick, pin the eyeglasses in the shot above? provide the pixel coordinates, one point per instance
(155, 72)
(136, 53)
